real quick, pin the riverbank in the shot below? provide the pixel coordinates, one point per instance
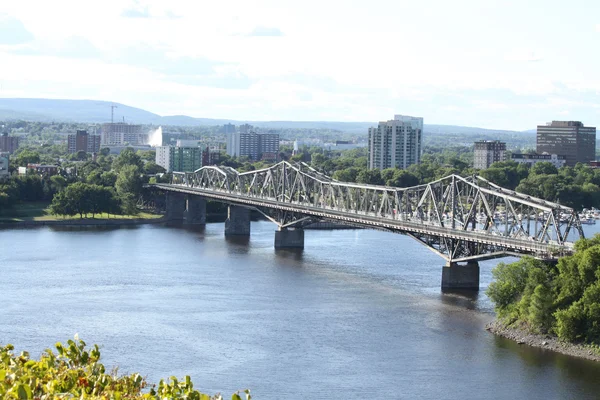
(547, 342)
(85, 222)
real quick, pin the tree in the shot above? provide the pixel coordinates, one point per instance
(94, 177)
(127, 157)
(108, 178)
(27, 157)
(80, 156)
(544, 168)
(402, 178)
(82, 198)
(129, 186)
(369, 176)
(151, 168)
(147, 155)
(58, 182)
(346, 175)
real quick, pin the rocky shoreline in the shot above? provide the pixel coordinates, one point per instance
(548, 342)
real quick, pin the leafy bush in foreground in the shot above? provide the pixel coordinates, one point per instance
(75, 372)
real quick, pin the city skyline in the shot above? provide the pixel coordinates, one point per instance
(499, 65)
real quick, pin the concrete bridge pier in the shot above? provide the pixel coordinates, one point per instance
(289, 238)
(238, 221)
(175, 206)
(195, 212)
(455, 276)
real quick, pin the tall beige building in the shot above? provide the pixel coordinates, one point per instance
(488, 152)
(396, 143)
(121, 133)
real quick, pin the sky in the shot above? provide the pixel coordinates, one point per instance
(498, 64)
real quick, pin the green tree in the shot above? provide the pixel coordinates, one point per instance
(108, 178)
(27, 157)
(58, 183)
(509, 284)
(402, 178)
(147, 155)
(544, 168)
(369, 176)
(151, 168)
(127, 157)
(346, 175)
(129, 186)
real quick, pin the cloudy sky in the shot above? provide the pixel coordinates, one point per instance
(491, 63)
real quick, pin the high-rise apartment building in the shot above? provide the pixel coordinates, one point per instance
(121, 134)
(179, 159)
(247, 143)
(488, 152)
(8, 144)
(568, 138)
(228, 128)
(396, 143)
(83, 141)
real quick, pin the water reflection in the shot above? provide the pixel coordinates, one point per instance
(293, 254)
(462, 298)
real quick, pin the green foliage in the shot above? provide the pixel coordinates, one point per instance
(75, 371)
(545, 168)
(83, 198)
(369, 176)
(562, 299)
(152, 168)
(127, 157)
(510, 281)
(129, 186)
(25, 157)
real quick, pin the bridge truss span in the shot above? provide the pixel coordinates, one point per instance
(460, 218)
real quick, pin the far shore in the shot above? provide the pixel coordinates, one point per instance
(542, 341)
(81, 222)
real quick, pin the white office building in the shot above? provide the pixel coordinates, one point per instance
(396, 143)
(531, 159)
(163, 157)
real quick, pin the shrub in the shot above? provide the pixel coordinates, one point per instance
(76, 372)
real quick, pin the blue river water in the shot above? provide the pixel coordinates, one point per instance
(357, 314)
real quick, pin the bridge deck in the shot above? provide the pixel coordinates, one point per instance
(391, 222)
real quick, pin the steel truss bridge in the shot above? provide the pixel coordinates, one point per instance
(461, 219)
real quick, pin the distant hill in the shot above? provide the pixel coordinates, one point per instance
(73, 110)
(94, 111)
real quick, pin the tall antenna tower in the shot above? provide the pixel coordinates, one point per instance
(112, 113)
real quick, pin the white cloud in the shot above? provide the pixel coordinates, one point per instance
(265, 31)
(365, 63)
(523, 55)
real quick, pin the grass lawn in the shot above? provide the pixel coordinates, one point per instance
(38, 211)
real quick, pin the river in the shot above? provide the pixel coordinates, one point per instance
(357, 314)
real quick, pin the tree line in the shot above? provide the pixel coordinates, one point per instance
(109, 185)
(577, 187)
